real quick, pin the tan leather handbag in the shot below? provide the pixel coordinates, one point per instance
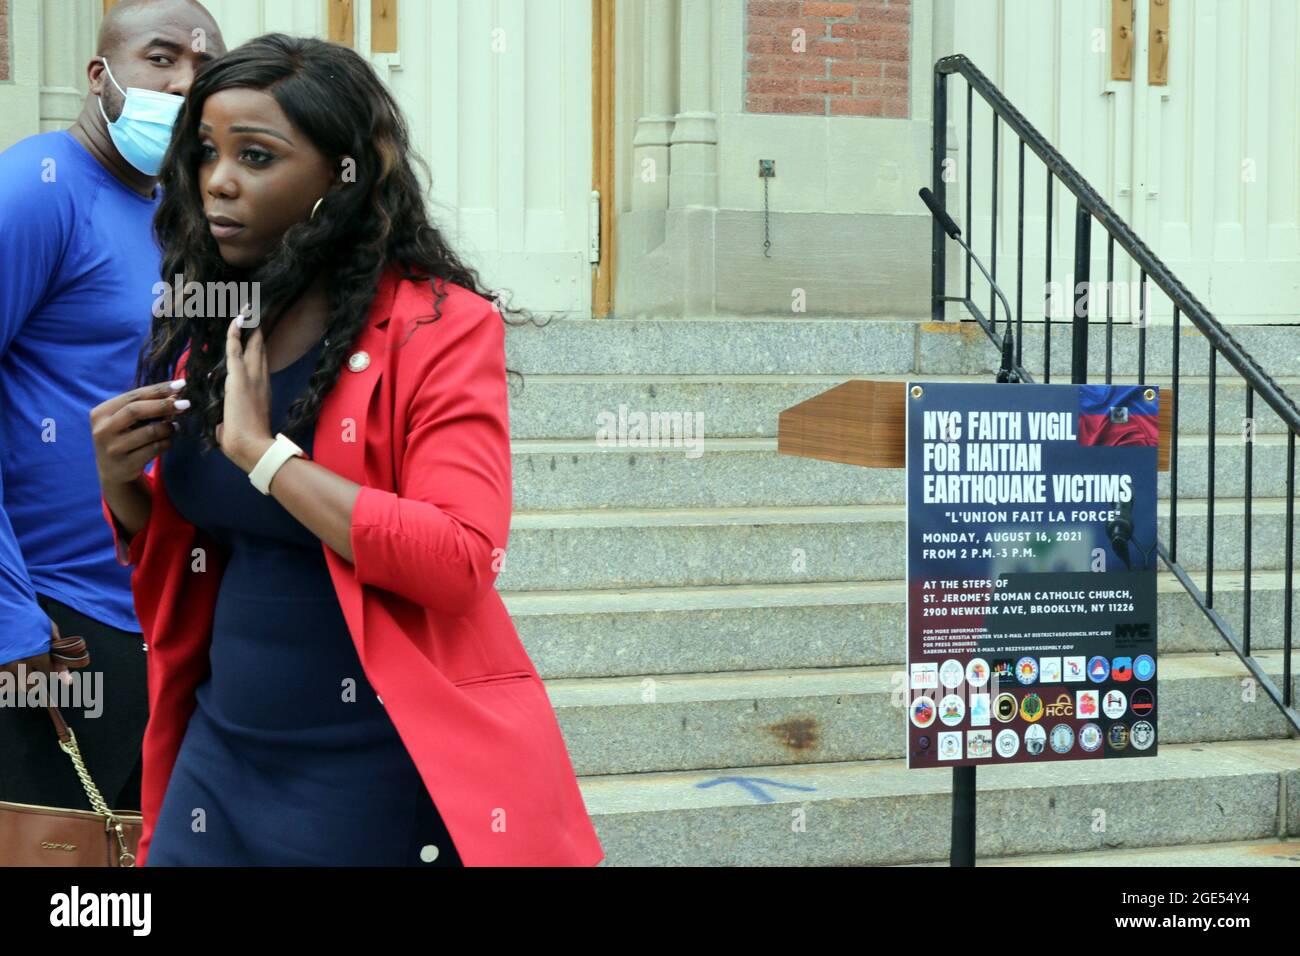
(50, 836)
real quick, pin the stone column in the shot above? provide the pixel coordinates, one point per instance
(650, 144)
(694, 179)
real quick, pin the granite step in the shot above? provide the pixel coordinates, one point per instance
(1273, 852)
(664, 630)
(556, 475)
(793, 345)
(638, 548)
(749, 406)
(672, 722)
(877, 812)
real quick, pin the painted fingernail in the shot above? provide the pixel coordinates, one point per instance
(178, 385)
(182, 404)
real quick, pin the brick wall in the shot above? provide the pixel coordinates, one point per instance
(4, 40)
(851, 60)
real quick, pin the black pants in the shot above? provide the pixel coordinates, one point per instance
(33, 768)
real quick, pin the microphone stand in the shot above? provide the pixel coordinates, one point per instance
(962, 849)
(1007, 373)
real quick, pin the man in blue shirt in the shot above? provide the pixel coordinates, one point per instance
(78, 269)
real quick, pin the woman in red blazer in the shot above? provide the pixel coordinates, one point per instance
(289, 168)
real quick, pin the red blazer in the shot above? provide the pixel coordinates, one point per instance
(424, 428)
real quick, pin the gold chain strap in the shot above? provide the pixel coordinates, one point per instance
(124, 857)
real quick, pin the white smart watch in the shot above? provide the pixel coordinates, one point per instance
(280, 451)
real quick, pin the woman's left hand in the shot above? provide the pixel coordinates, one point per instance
(245, 431)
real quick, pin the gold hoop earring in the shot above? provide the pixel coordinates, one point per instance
(315, 207)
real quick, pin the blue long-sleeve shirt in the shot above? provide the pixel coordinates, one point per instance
(78, 267)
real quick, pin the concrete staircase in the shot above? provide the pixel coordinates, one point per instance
(721, 633)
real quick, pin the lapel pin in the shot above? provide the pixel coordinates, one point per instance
(358, 361)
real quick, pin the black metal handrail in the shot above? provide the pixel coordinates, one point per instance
(1091, 206)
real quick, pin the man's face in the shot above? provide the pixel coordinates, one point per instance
(158, 47)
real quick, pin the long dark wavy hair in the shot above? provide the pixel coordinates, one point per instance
(335, 98)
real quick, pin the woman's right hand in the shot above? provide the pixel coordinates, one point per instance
(124, 446)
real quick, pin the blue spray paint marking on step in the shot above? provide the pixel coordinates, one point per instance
(751, 785)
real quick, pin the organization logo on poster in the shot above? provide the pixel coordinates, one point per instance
(951, 674)
(1004, 669)
(1062, 738)
(979, 710)
(1074, 670)
(1143, 735)
(1087, 703)
(979, 743)
(923, 712)
(1113, 703)
(950, 745)
(1121, 668)
(1117, 737)
(1008, 743)
(1061, 707)
(1035, 740)
(1005, 708)
(1098, 670)
(1142, 703)
(977, 672)
(952, 709)
(925, 676)
(1090, 737)
(1144, 667)
(1031, 708)
(1049, 670)
(1027, 670)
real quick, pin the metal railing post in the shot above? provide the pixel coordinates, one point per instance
(938, 260)
(1079, 324)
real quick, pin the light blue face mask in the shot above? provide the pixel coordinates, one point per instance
(143, 131)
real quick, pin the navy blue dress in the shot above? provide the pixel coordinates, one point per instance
(289, 758)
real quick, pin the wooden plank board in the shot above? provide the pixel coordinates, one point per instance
(858, 423)
(383, 26)
(340, 17)
(603, 133)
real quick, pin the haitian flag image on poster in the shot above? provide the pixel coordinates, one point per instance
(1031, 573)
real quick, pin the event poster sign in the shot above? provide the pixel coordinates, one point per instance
(1031, 558)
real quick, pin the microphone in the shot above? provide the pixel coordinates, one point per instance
(1119, 530)
(940, 213)
(1007, 372)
